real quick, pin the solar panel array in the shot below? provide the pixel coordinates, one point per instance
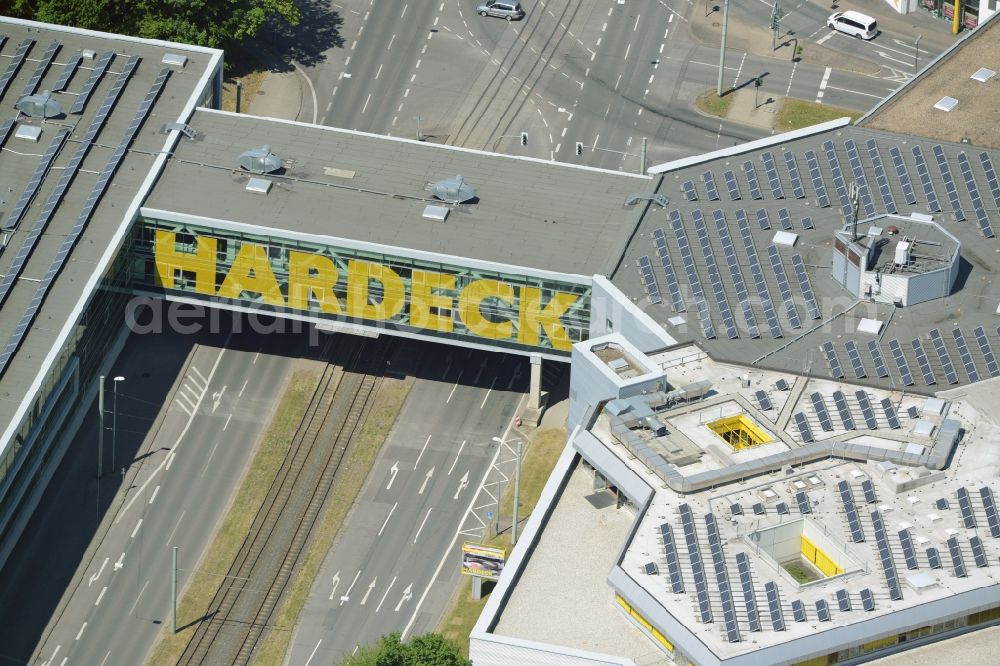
(904, 369)
(100, 67)
(963, 352)
(760, 282)
(722, 579)
(763, 401)
(934, 558)
(845, 412)
(822, 199)
(670, 553)
(909, 196)
(853, 520)
(820, 408)
(843, 600)
(822, 610)
(909, 554)
(890, 413)
(751, 175)
(965, 505)
(783, 287)
(798, 611)
(867, 599)
(864, 193)
(803, 427)
(710, 190)
(805, 287)
(735, 274)
(697, 568)
(774, 606)
(5, 127)
(866, 410)
(991, 177)
(949, 182)
(651, 569)
(782, 509)
(803, 501)
(793, 174)
(956, 558)
(855, 357)
(762, 220)
(648, 281)
(676, 300)
(688, 260)
(880, 178)
(984, 346)
(701, 230)
(67, 73)
(925, 366)
(749, 597)
(885, 555)
(758, 509)
(772, 175)
(946, 364)
(43, 64)
(836, 371)
(986, 493)
(807, 223)
(689, 192)
(733, 185)
(978, 553)
(925, 181)
(869, 490)
(785, 219)
(977, 200)
(736, 509)
(21, 207)
(15, 64)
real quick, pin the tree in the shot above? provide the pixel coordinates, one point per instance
(425, 650)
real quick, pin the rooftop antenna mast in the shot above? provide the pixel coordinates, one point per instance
(854, 208)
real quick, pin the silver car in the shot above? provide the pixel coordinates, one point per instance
(502, 8)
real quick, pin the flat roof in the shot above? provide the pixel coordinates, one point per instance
(972, 303)
(19, 159)
(977, 116)
(364, 187)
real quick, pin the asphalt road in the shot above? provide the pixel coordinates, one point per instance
(174, 493)
(396, 561)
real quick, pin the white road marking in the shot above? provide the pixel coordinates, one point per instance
(422, 452)
(253, 362)
(404, 11)
(393, 38)
(245, 381)
(636, 26)
(201, 376)
(90, 581)
(407, 595)
(80, 633)
(153, 496)
(386, 521)
(825, 37)
(379, 72)
(487, 396)
(120, 563)
(136, 602)
(422, 523)
(455, 461)
(103, 661)
(183, 407)
(371, 587)
(462, 484)
(427, 478)
(739, 71)
(790, 77)
(347, 595)
(365, 107)
(53, 657)
(101, 595)
(176, 525)
(393, 471)
(393, 582)
(823, 83)
(336, 582)
(136, 529)
(313, 653)
(226, 424)
(312, 90)
(217, 398)
(212, 454)
(856, 92)
(170, 459)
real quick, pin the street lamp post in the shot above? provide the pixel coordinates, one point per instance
(114, 420)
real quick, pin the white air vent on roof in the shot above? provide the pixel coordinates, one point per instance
(174, 59)
(439, 213)
(983, 75)
(28, 132)
(89, 54)
(259, 185)
(785, 238)
(946, 104)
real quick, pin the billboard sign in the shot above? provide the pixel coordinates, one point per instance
(483, 561)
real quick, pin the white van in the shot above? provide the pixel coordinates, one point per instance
(854, 23)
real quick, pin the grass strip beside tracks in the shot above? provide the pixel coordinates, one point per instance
(796, 114)
(267, 460)
(350, 478)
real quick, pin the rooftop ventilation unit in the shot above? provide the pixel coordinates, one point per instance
(174, 59)
(261, 160)
(453, 190)
(946, 104)
(40, 105)
(983, 75)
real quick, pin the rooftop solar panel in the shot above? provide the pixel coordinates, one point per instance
(855, 357)
(876, 353)
(709, 180)
(651, 569)
(941, 504)
(853, 520)
(43, 65)
(758, 509)
(5, 127)
(822, 199)
(904, 369)
(774, 606)
(933, 558)
(763, 402)
(96, 73)
(820, 408)
(762, 219)
(803, 502)
(885, 556)
(942, 352)
(782, 509)
(673, 564)
(676, 300)
(836, 371)
(783, 287)
(697, 568)
(869, 490)
(14, 65)
(843, 410)
(965, 504)
(751, 176)
(21, 207)
(977, 201)
(805, 434)
(749, 597)
(989, 505)
(782, 385)
(843, 600)
(890, 413)
(732, 185)
(798, 611)
(760, 283)
(715, 277)
(957, 563)
(822, 610)
(909, 196)
(690, 193)
(864, 192)
(978, 553)
(793, 174)
(772, 175)
(949, 182)
(991, 177)
(736, 509)
(807, 223)
(867, 599)
(881, 180)
(692, 274)
(984, 346)
(648, 281)
(866, 410)
(925, 366)
(722, 580)
(963, 352)
(785, 219)
(67, 73)
(909, 554)
(925, 181)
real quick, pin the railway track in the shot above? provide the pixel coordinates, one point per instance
(242, 609)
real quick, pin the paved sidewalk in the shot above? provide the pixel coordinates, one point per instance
(281, 95)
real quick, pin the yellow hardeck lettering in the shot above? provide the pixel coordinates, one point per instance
(471, 300)
(312, 277)
(533, 315)
(251, 272)
(359, 274)
(201, 262)
(423, 298)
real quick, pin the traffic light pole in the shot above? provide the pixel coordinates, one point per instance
(722, 48)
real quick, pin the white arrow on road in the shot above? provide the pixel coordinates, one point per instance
(90, 581)
(120, 563)
(394, 470)
(336, 582)
(462, 484)
(217, 398)
(889, 57)
(370, 588)
(426, 479)
(406, 596)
